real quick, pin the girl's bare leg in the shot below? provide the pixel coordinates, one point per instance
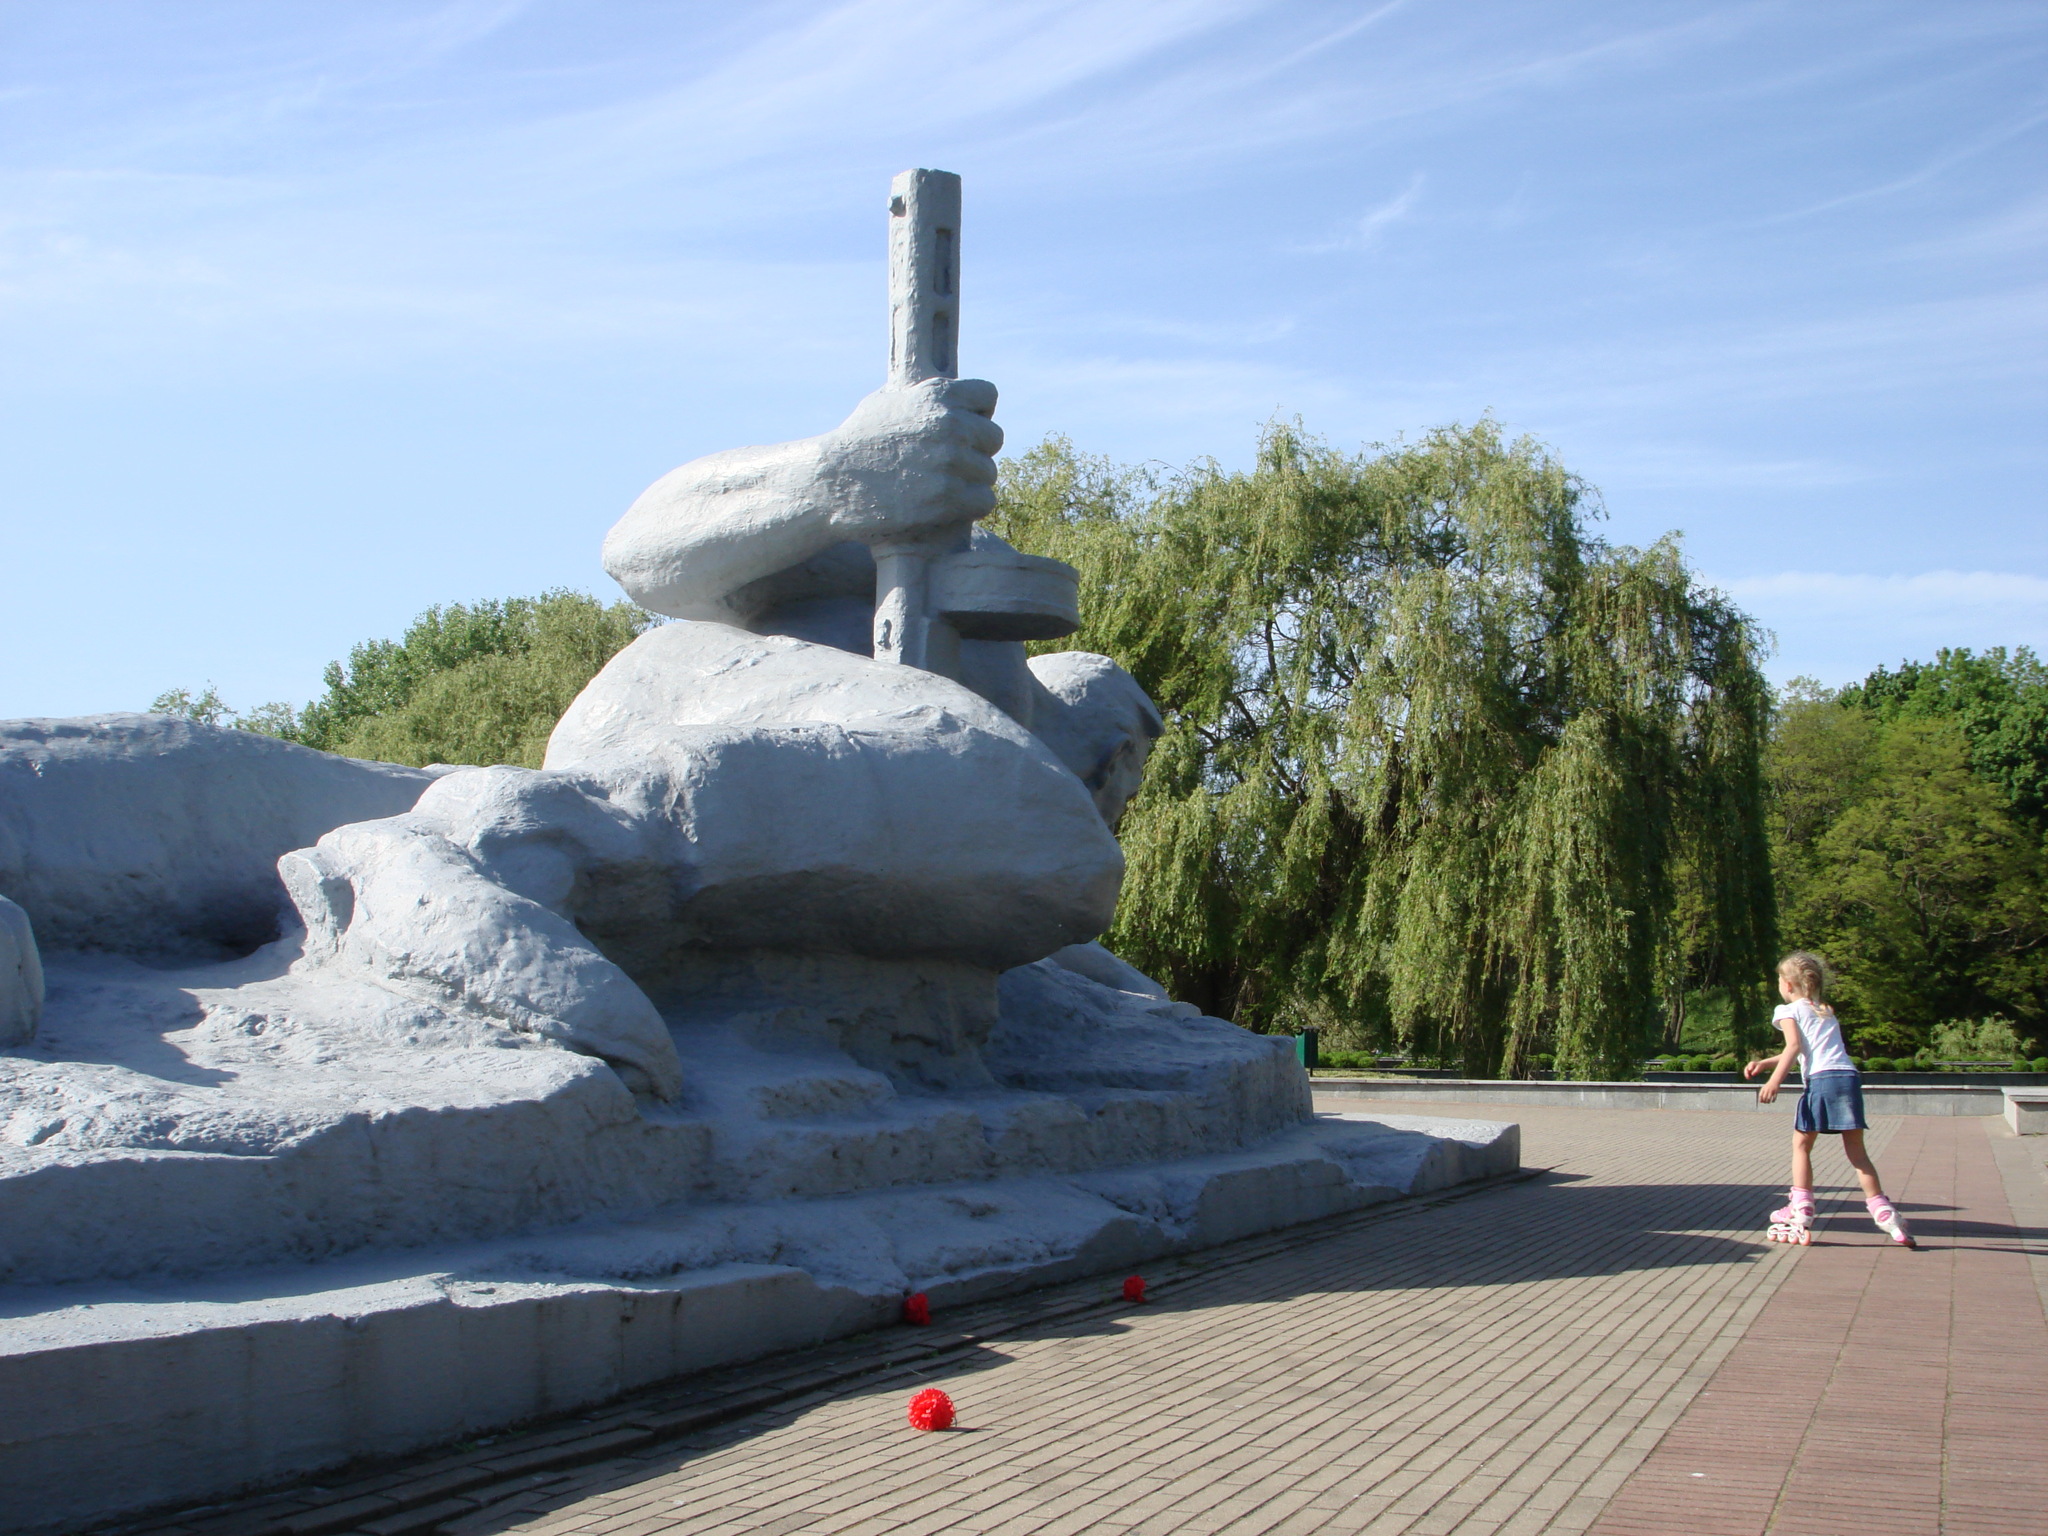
(1802, 1157)
(1866, 1170)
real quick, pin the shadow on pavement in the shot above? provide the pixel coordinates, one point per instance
(1552, 1226)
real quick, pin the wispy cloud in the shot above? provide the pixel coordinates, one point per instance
(1861, 349)
(350, 168)
(1924, 592)
(1364, 232)
(1935, 168)
(1662, 465)
(483, 260)
(2017, 228)
(1839, 625)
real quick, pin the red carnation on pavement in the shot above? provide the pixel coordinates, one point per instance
(931, 1409)
(1134, 1288)
(917, 1309)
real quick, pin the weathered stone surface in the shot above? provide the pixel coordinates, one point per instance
(184, 1391)
(144, 834)
(21, 976)
(819, 801)
(193, 1120)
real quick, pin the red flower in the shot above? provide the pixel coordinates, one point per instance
(1134, 1288)
(931, 1409)
(917, 1310)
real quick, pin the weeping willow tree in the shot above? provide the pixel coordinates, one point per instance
(1439, 765)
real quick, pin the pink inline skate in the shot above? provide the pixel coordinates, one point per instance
(1890, 1221)
(1793, 1221)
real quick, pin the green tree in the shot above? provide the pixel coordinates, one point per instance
(1910, 869)
(206, 707)
(469, 683)
(1436, 758)
(1821, 761)
(1999, 700)
(209, 708)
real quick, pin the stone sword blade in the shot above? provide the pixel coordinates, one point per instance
(924, 330)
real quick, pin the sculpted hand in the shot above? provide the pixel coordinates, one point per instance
(907, 463)
(913, 460)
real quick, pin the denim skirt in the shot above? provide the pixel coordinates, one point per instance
(1831, 1104)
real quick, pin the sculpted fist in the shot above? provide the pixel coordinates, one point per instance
(912, 459)
(908, 462)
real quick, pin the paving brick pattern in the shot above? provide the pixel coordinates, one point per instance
(1505, 1359)
(1607, 1347)
(1886, 1392)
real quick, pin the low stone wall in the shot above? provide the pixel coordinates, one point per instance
(2026, 1111)
(120, 1397)
(1883, 1079)
(1878, 1099)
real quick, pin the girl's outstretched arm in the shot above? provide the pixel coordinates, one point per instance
(1779, 1064)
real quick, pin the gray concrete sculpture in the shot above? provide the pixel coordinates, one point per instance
(350, 1108)
(21, 976)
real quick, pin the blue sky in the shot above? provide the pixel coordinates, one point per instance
(315, 314)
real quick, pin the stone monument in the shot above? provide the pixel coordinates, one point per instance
(347, 1108)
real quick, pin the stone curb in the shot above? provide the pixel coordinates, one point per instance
(1880, 1099)
(427, 1494)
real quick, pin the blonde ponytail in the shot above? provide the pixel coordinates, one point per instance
(1806, 976)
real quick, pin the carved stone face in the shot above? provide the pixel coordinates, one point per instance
(1115, 783)
(1099, 721)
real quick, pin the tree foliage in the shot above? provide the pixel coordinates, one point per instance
(469, 683)
(1909, 849)
(1439, 764)
(478, 683)
(209, 708)
(1999, 701)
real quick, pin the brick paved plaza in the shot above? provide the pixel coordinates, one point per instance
(1606, 1347)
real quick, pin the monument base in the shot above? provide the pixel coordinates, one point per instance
(117, 1398)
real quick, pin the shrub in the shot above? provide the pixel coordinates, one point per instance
(1991, 1039)
(1878, 1064)
(2041, 1063)
(1724, 1064)
(1889, 1041)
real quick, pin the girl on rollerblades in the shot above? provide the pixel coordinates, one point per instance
(1831, 1103)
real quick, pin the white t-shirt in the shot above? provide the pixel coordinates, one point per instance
(1820, 1038)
